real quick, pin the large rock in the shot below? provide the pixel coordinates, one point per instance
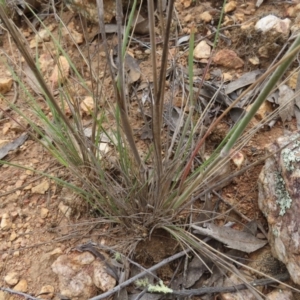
(80, 275)
(279, 200)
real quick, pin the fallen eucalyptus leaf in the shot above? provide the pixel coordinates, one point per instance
(251, 227)
(195, 270)
(286, 102)
(183, 39)
(13, 145)
(140, 25)
(232, 238)
(173, 117)
(243, 81)
(146, 132)
(133, 69)
(209, 90)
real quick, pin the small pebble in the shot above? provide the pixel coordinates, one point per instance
(230, 6)
(13, 236)
(16, 253)
(3, 295)
(44, 212)
(47, 292)
(22, 286)
(5, 222)
(12, 278)
(206, 17)
(4, 256)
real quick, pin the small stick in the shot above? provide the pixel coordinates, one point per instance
(91, 244)
(230, 289)
(19, 293)
(138, 276)
(153, 268)
(195, 292)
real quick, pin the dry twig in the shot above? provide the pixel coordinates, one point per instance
(19, 293)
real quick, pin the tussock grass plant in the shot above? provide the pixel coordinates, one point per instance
(139, 190)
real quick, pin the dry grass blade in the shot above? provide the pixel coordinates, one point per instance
(156, 117)
(17, 37)
(226, 111)
(119, 91)
(136, 199)
(163, 68)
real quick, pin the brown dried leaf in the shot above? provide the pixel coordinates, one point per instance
(286, 103)
(133, 69)
(13, 145)
(234, 239)
(195, 270)
(245, 80)
(141, 24)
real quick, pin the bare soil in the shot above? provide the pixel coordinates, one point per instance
(39, 232)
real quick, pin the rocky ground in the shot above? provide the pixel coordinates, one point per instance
(39, 233)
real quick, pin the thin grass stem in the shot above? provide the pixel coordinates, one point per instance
(275, 77)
